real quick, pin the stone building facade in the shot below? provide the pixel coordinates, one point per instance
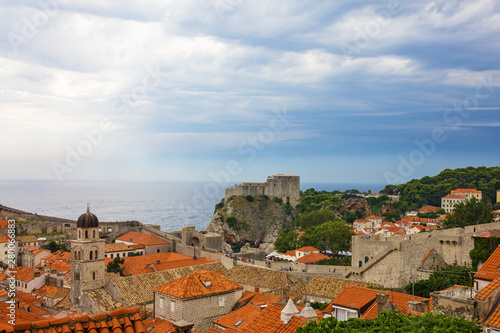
(285, 187)
(87, 260)
(201, 298)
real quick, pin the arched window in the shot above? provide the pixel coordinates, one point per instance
(75, 256)
(95, 254)
(91, 255)
(79, 234)
(93, 234)
(366, 259)
(93, 275)
(86, 234)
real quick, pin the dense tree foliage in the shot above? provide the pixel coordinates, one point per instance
(470, 212)
(430, 190)
(393, 322)
(441, 279)
(334, 236)
(286, 241)
(312, 200)
(53, 246)
(315, 218)
(114, 266)
(483, 248)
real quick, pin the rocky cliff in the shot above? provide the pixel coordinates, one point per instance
(243, 219)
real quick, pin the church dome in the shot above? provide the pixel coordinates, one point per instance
(87, 220)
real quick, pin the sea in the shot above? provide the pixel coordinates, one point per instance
(170, 204)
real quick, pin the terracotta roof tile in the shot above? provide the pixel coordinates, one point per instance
(399, 299)
(373, 217)
(307, 249)
(58, 255)
(160, 325)
(161, 262)
(489, 289)
(194, 285)
(313, 257)
(4, 239)
(4, 224)
(240, 318)
(24, 274)
(429, 209)
(116, 247)
(268, 320)
(488, 234)
(466, 190)
(251, 297)
(102, 299)
(28, 239)
(140, 238)
(353, 297)
(490, 269)
(121, 320)
(453, 196)
(22, 316)
(133, 295)
(45, 290)
(493, 319)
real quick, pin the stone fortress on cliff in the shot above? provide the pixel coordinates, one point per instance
(285, 187)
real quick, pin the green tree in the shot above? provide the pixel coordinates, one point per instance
(114, 266)
(470, 212)
(52, 246)
(483, 248)
(286, 241)
(333, 235)
(315, 218)
(393, 322)
(439, 280)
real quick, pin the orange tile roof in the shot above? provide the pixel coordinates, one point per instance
(24, 274)
(192, 286)
(31, 308)
(290, 253)
(307, 249)
(116, 321)
(488, 234)
(45, 290)
(313, 257)
(269, 321)
(4, 224)
(164, 266)
(137, 264)
(489, 289)
(399, 299)
(140, 238)
(387, 224)
(454, 196)
(353, 297)
(247, 314)
(58, 255)
(22, 316)
(373, 217)
(60, 266)
(159, 325)
(4, 239)
(489, 270)
(300, 234)
(429, 209)
(251, 297)
(493, 319)
(466, 190)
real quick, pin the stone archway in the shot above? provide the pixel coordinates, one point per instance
(195, 241)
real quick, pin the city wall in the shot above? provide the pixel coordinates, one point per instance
(393, 261)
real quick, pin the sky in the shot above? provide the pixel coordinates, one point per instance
(237, 90)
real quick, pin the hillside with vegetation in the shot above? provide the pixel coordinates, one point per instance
(429, 190)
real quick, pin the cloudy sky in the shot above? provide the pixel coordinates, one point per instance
(333, 91)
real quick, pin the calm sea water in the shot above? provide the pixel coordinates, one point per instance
(172, 205)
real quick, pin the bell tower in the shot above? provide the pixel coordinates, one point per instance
(87, 259)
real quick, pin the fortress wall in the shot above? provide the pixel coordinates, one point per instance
(397, 267)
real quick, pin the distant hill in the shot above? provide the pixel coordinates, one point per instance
(429, 190)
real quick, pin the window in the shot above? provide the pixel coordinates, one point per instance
(93, 234)
(238, 323)
(161, 302)
(79, 234)
(111, 255)
(172, 307)
(95, 254)
(118, 255)
(77, 276)
(221, 301)
(86, 234)
(158, 251)
(91, 255)
(93, 275)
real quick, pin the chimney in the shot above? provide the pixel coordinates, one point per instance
(381, 299)
(308, 312)
(425, 305)
(416, 306)
(37, 274)
(182, 326)
(257, 289)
